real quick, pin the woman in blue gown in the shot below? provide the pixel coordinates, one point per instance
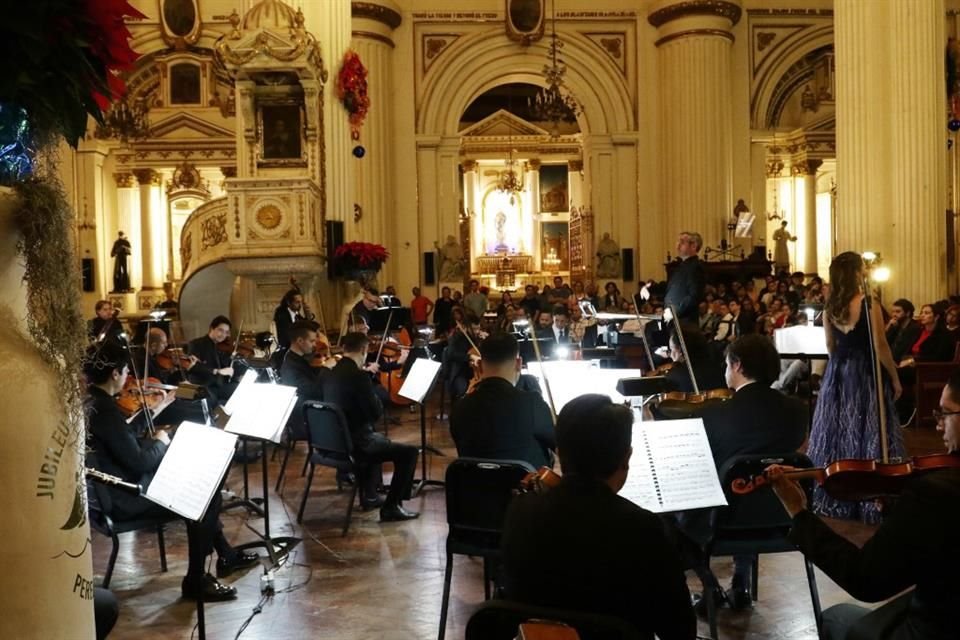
(845, 422)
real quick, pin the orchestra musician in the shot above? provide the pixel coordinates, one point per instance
(558, 331)
(497, 420)
(119, 453)
(685, 287)
(350, 388)
(917, 545)
(214, 368)
(179, 410)
(582, 547)
(457, 356)
(105, 325)
(757, 419)
(289, 311)
(707, 371)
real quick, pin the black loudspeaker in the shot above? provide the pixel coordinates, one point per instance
(334, 233)
(429, 268)
(86, 271)
(627, 259)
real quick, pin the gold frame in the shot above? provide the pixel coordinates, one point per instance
(301, 160)
(525, 37)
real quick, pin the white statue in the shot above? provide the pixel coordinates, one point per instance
(452, 262)
(608, 258)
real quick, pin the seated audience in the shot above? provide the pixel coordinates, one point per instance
(496, 420)
(933, 343)
(580, 546)
(902, 330)
(917, 546)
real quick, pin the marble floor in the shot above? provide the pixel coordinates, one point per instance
(384, 581)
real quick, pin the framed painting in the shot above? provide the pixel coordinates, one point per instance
(553, 188)
(280, 129)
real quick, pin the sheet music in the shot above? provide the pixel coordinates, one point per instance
(249, 378)
(672, 467)
(420, 378)
(192, 469)
(262, 410)
(801, 339)
(744, 225)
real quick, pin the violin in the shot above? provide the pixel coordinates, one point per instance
(242, 348)
(129, 401)
(858, 480)
(675, 405)
(662, 370)
(696, 398)
(174, 358)
(539, 481)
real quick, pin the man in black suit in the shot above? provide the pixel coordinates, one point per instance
(497, 420)
(457, 356)
(118, 452)
(757, 419)
(902, 330)
(106, 325)
(213, 368)
(706, 366)
(686, 285)
(580, 546)
(289, 311)
(351, 388)
(917, 545)
(559, 330)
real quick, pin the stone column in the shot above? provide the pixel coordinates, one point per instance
(694, 41)
(806, 231)
(151, 243)
(373, 24)
(890, 137)
(128, 220)
(472, 206)
(530, 239)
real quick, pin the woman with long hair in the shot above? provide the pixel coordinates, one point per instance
(846, 422)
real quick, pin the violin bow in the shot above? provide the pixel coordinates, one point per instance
(643, 332)
(176, 350)
(877, 373)
(683, 348)
(383, 338)
(546, 378)
(151, 427)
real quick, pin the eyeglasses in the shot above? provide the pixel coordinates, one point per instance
(940, 415)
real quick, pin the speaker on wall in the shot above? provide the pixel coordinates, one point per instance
(334, 231)
(429, 268)
(87, 272)
(627, 260)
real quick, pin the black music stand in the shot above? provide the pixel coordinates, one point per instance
(272, 405)
(417, 386)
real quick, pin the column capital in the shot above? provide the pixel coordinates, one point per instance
(680, 18)
(574, 166)
(148, 177)
(534, 164)
(806, 167)
(382, 11)
(229, 172)
(125, 180)
(469, 165)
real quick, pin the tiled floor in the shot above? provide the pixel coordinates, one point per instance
(383, 581)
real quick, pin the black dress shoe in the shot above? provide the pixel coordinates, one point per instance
(240, 560)
(396, 514)
(370, 505)
(207, 588)
(739, 599)
(345, 478)
(700, 603)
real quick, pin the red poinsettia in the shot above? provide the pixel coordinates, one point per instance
(352, 88)
(109, 40)
(360, 255)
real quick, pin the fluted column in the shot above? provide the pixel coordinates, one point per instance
(151, 243)
(473, 208)
(128, 221)
(373, 25)
(694, 40)
(806, 231)
(890, 139)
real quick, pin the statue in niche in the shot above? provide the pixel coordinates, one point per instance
(608, 258)
(781, 254)
(120, 252)
(452, 262)
(500, 222)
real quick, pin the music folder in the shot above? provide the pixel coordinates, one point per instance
(672, 467)
(262, 410)
(192, 470)
(419, 380)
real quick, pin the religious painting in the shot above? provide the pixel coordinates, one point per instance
(555, 246)
(525, 20)
(280, 128)
(180, 22)
(553, 188)
(184, 84)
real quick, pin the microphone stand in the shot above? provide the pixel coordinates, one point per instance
(683, 348)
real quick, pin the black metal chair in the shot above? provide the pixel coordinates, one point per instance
(478, 494)
(99, 509)
(755, 523)
(500, 619)
(295, 432)
(328, 436)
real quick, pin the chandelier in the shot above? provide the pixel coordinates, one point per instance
(510, 181)
(126, 120)
(551, 104)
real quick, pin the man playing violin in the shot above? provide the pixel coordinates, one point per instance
(757, 419)
(214, 367)
(917, 545)
(459, 356)
(497, 420)
(289, 311)
(105, 326)
(179, 409)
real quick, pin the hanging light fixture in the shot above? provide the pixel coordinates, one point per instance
(551, 104)
(126, 120)
(510, 181)
(774, 168)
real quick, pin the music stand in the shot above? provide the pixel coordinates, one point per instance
(262, 415)
(417, 386)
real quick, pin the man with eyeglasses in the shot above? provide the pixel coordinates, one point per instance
(918, 545)
(686, 284)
